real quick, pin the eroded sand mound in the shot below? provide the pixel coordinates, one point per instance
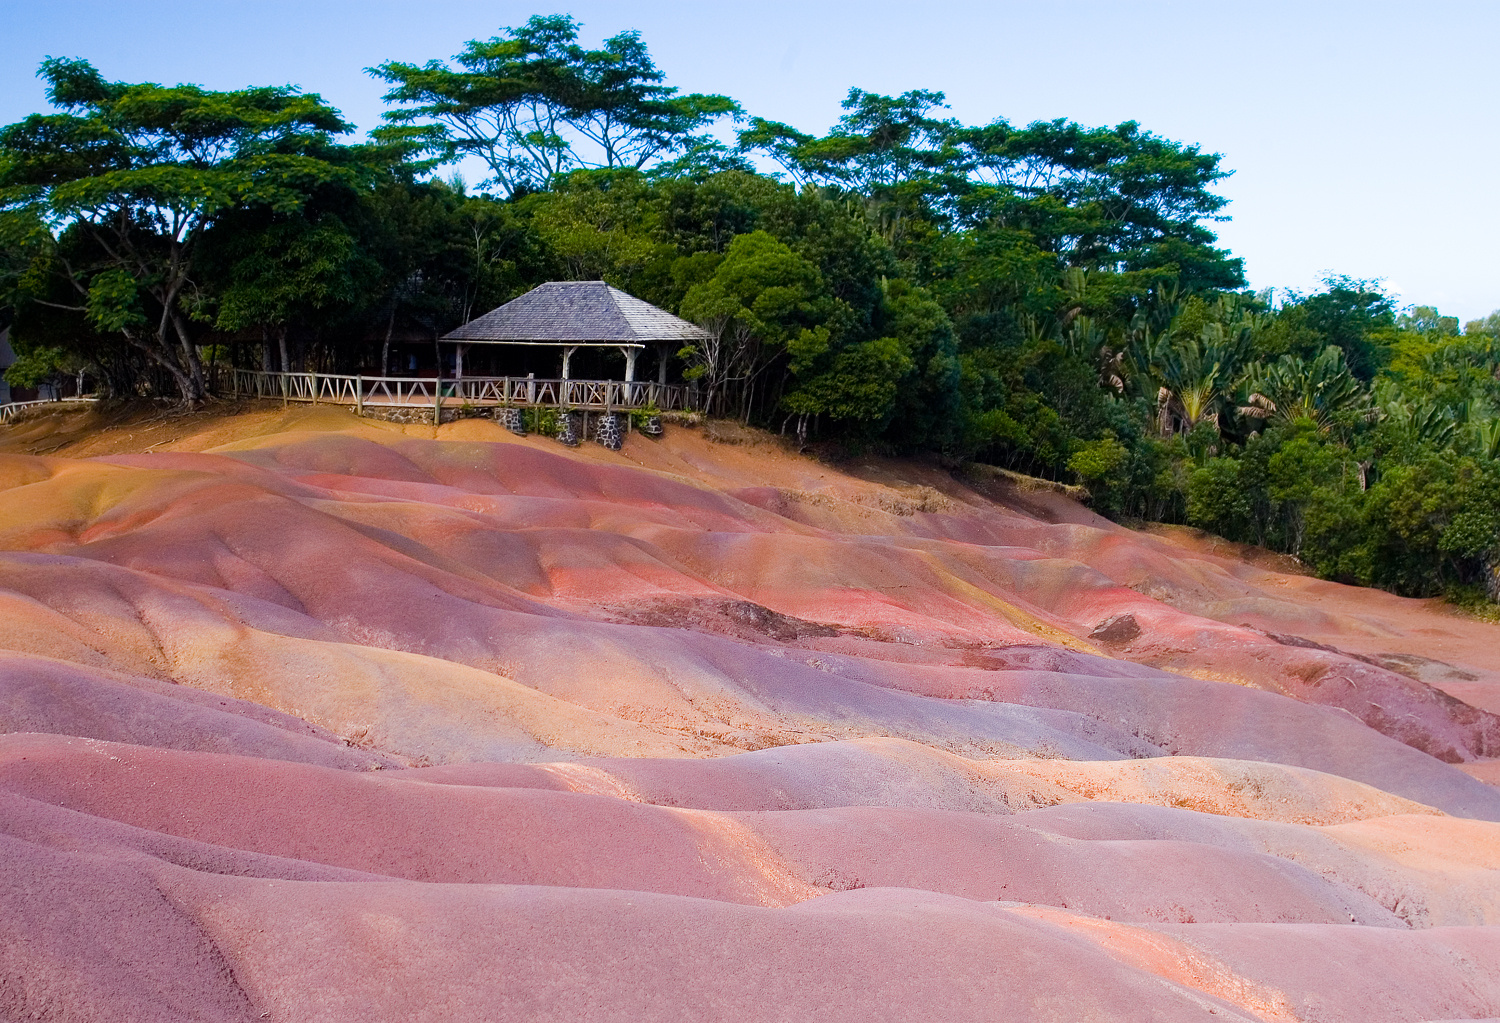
(313, 718)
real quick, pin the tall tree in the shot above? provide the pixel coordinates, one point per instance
(141, 171)
(879, 142)
(533, 104)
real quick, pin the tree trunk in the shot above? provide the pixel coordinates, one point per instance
(385, 351)
(197, 389)
(153, 352)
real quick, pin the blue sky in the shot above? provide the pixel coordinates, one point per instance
(1365, 137)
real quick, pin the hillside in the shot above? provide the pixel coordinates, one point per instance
(309, 717)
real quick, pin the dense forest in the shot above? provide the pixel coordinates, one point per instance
(1047, 298)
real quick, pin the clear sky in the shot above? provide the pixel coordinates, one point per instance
(1365, 137)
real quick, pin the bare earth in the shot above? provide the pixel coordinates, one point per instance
(305, 717)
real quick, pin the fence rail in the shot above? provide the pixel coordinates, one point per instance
(387, 392)
(10, 410)
(427, 392)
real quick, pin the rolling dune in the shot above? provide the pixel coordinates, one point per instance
(309, 717)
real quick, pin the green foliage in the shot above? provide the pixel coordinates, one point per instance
(35, 366)
(544, 421)
(140, 171)
(1354, 315)
(861, 382)
(533, 104)
(762, 302)
(114, 300)
(1101, 466)
(640, 418)
(1048, 297)
(1320, 390)
(1219, 497)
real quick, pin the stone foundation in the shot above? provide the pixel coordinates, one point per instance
(652, 426)
(513, 419)
(400, 414)
(609, 430)
(570, 428)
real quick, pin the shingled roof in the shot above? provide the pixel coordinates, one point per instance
(577, 313)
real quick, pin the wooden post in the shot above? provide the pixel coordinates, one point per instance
(312, 378)
(437, 399)
(359, 395)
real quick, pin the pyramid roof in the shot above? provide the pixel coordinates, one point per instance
(577, 313)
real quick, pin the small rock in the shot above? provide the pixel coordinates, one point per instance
(1120, 628)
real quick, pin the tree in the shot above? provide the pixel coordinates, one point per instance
(597, 225)
(140, 172)
(762, 300)
(1103, 198)
(286, 269)
(1352, 314)
(930, 414)
(880, 142)
(533, 104)
(1320, 390)
(860, 385)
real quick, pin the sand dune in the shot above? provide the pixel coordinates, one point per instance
(309, 717)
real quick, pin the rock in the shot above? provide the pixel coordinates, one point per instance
(1121, 628)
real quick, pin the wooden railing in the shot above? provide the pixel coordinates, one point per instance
(10, 410)
(360, 391)
(427, 392)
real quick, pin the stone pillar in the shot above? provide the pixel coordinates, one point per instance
(611, 430)
(513, 420)
(570, 428)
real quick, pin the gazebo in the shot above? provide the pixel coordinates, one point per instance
(579, 314)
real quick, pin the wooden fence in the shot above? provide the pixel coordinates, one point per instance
(428, 392)
(10, 410)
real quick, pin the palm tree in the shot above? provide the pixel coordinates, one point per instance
(1195, 373)
(1293, 388)
(1192, 361)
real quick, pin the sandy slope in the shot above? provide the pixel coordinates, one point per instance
(310, 717)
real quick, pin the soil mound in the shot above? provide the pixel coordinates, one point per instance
(304, 716)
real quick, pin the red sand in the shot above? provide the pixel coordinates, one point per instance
(702, 731)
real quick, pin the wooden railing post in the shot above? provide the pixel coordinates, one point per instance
(437, 401)
(359, 395)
